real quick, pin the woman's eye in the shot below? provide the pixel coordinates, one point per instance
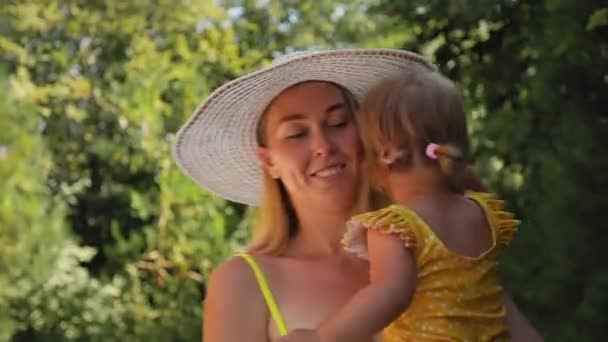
(338, 120)
(295, 135)
(338, 123)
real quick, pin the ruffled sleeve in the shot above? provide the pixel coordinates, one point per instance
(390, 220)
(502, 221)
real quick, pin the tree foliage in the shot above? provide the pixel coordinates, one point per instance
(103, 238)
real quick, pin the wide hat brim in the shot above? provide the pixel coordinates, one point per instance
(216, 147)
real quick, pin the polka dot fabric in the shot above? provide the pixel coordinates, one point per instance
(457, 298)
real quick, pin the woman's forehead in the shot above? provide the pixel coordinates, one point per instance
(305, 98)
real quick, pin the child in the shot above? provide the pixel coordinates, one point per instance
(433, 254)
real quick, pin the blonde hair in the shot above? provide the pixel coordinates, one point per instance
(276, 221)
(402, 115)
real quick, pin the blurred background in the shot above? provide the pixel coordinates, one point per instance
(102, 238)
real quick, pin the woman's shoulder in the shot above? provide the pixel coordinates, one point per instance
(238, 274)
(234, 300)
(232, 279)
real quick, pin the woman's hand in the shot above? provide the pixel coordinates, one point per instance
(300, 335)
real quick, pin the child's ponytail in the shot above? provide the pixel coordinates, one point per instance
(451, 163)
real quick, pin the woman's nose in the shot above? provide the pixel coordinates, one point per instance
(322, 144)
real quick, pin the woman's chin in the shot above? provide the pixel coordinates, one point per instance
(336, 197)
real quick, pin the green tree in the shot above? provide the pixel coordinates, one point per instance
(44, 291)
(108, 83)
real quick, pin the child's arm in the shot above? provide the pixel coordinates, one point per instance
(519, 327)
(392, 273)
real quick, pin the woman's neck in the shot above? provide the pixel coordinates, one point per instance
(319, 234)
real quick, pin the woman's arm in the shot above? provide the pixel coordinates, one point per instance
(392, 273)
(519, 327)
(234, 309)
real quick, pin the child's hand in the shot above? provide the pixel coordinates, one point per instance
(300, 335)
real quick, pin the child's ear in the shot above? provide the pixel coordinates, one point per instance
(267, 164)
(390, 154)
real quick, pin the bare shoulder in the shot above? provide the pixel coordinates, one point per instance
(233, 275)
(234, 300)
(472, 210)
(233, 282)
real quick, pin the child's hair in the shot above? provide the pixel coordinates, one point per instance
(400, 117)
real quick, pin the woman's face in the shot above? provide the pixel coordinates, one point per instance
(312, 145)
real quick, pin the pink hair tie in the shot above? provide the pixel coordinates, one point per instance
(431, 150)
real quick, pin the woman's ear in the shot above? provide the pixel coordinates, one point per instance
(266, 160)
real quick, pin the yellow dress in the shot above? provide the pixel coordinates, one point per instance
(457, 298)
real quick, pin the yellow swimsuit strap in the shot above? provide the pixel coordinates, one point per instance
(267, 293)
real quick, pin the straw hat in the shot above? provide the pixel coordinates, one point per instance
(216, 146)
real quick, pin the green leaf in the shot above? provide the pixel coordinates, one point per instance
(599, 18)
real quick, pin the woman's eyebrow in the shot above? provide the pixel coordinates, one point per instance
(335, 107)
(291, 117)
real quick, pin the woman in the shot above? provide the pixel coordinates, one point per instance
(284, 138)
